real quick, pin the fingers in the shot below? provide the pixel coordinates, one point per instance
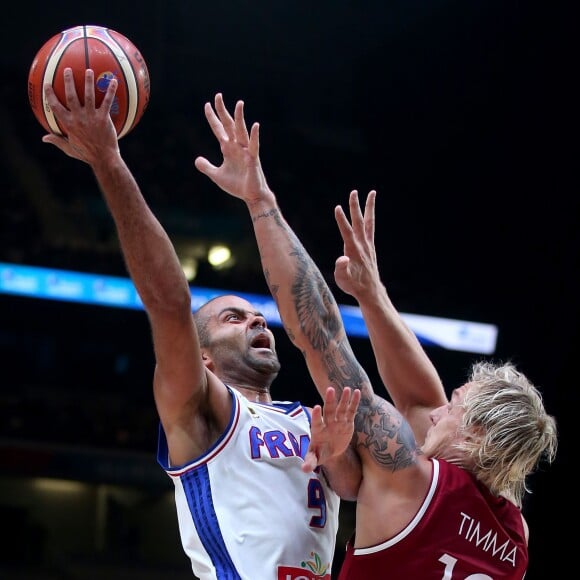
(353, 403)
(316, 417)
(108, 98)
(343, 224)
(56, 140)
(310, 462)
(331, 427)
(73, 103)
(240, 130)
(359, 222)
(204, 166)
(348, 404)
(354, 227)
(330, 399)
(56, 106)
(341, 264)
(369, 216)
(214, 123)
(254, 143)
(227, 128)
(70, 91)
(224, 116)
(356, 216)
(342, 410)
(89, 88)
(359, 232)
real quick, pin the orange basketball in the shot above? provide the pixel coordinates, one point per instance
(110, 55)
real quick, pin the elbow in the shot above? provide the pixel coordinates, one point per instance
(347, 485)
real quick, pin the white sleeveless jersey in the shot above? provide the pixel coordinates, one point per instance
(245, 508)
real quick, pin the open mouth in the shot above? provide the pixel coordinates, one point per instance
(261, 341)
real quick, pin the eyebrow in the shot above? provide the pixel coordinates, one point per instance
(240, 311)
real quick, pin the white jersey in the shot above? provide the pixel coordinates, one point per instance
(245, 508)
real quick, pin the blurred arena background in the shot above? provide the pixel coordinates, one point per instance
(460, 114)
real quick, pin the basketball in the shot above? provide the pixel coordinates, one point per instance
(110, 55)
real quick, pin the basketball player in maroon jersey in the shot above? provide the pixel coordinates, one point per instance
(443, 502)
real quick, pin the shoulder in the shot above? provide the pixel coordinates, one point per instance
(526, 529)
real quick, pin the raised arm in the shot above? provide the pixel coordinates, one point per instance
(384, 440)
(407, 372)
(307, 308)
(181, 381)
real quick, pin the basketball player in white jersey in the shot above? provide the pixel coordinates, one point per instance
(247, 509)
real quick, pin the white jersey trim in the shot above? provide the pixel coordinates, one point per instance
(412, 524)
(219, 445)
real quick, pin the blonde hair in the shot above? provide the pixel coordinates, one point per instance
(508, 430)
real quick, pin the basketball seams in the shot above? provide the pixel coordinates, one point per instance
(120, 58)
(49, 73)
(130, 81)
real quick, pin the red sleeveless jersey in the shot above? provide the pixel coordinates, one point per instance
(461, 532)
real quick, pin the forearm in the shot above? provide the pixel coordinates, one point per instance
(306, 305)
(147, 250)
(307, 308)
(344, 474)
(403, 365)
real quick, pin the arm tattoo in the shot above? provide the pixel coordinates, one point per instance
(343, 368)
(379, 429)
(266, 214)
(314, 303)
(384, 434)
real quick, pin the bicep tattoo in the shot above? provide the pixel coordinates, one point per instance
(384, 434)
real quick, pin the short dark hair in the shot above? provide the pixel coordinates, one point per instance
(201, 320)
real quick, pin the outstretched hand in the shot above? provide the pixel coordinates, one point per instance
(240, 173)
(91, 134)
(357, 269)
(331, 429)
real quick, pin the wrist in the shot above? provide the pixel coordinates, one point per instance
(264, 201)
(370, 291)
(107, 160)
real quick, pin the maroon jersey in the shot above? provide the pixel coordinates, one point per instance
(461, 532)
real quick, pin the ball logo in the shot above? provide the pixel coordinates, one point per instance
(103, 80)
(102, 84)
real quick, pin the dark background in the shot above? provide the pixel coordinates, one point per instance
(461, 115)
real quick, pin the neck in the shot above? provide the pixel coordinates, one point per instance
(255, 394)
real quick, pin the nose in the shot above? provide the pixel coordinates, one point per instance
(434, 415)
(258, 321)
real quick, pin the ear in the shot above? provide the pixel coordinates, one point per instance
(207, 360)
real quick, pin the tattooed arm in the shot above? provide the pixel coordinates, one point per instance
(309, 312)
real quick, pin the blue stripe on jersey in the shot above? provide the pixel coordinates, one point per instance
(197, 489)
